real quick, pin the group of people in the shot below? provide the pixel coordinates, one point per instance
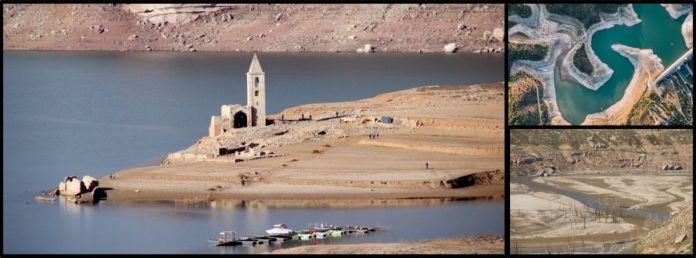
(302, 117)
(374, 136)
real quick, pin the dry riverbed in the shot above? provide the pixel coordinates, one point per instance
(544, 222)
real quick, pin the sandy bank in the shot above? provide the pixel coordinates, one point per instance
(464, 245)
(548, 215)
(544, 221)
(688, 30)
(646, 66)
(464, 153)
(601, 72)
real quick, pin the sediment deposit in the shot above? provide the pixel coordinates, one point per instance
(605, 191)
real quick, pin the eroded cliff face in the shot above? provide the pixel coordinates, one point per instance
(253, 27)
(601, 150)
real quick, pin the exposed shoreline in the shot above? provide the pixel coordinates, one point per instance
(460, 245)
(551, 221)
(646, 64)
(464, 150)
(543, 69)
(601, 71)
(567, 34)
(391, 28)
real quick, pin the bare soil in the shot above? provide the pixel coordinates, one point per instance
(465, 245)
(464, 153)
(252, 27)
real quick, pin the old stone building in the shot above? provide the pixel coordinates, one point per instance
(234, 116)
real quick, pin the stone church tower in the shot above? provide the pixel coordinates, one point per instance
(235, 116)
(256, 94)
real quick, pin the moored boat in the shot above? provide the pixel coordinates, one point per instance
(335, 233)
(279, 229)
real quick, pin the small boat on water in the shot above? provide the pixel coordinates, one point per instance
(305, 236)
(321, 235)
(226, 238)
(335, 233)
(279, 229)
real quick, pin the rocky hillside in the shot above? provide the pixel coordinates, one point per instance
(253, 27)
(601, 149)
(675, 237)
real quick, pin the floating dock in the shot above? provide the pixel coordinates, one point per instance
(302, 235)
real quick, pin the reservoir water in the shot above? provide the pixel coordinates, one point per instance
(656, 31)
(589, 200)
(78, 113)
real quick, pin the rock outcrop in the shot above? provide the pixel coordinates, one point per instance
(173, 13)
(72, 186)
(675, 237)
(450, 48)
(368, 48)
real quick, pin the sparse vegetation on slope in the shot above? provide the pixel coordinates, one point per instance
(673, 107)
(525, 100)
(519, 9)
(587, 14)
(676, 236)
(533, 52)
(582, 62)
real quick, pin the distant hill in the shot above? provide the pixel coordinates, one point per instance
(601, 149)
(253, 27)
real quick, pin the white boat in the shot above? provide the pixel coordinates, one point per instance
(279, 229)
(320, 235)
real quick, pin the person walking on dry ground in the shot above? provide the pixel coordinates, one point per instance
(426, 165)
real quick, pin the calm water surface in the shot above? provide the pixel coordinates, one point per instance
(100, 112)
(656, 31)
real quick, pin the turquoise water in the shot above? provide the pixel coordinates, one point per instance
(656, 31)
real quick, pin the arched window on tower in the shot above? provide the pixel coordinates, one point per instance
(256, 93)
(256, 82)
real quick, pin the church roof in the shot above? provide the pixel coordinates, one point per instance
(255, 66)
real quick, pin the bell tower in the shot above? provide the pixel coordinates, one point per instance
(256, 93)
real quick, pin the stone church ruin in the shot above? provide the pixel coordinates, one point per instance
(234, 116)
